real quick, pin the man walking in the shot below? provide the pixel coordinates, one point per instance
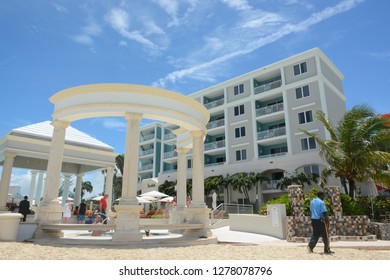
(319, 222)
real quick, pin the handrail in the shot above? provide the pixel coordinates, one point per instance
(224, 209)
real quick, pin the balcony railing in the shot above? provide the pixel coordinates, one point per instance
(170, 154)
(214, 145)
(146, 152)
(214, 164)
(280, 131)
(268, 86)
(169, 136)
(273, 155)
(270, 185)
(147, 137)
(269, 109)
(215, 103)
(215, 124)
(146, 167)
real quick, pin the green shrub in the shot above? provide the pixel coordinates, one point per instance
(280, 200)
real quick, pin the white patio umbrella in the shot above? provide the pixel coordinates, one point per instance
(69, 198)
(154, 194)
(214, 203)
(140, 200)
(167, 199)
(97, 198)
(372, 192)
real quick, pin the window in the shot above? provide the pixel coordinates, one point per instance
(308, 144)
(239, 110)
(240, 132)
(241, 155)
(189, 164)
(305, 117)
(239, 89)
(312, 169)
(300, 68)
(278, 150)
(302, 92)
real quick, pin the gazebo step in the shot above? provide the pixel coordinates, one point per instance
(112, 227)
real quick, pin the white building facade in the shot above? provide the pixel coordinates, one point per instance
(255, 124)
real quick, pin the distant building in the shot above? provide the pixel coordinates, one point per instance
(255, 125)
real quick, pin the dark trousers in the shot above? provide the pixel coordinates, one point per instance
(319, 230)
(103, 215)
(24, 217)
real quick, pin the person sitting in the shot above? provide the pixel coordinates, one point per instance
(98, 221)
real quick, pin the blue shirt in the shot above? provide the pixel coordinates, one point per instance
(317, 208)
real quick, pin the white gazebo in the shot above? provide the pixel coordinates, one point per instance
(133, 102)
(28, 147)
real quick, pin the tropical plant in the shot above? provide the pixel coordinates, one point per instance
(283, 199)
(358, 148)
(86, 187)
(243, 182)
(168, 187)
(301, 179)
(120, 162)
(259, 180)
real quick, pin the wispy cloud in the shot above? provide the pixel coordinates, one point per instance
(238, 5)
(172, 8)
(115, 124)
(380, 55)
(88, 32)
(249, 44)
(59, 8)
(120, 21)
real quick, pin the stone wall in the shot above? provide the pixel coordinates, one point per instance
(340, 228)
(380, 230)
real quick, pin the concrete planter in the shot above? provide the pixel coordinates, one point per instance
(9, 225)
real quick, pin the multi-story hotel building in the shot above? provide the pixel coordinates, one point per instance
(255, 125)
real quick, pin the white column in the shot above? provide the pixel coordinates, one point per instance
(49, 210)
(77, 192)
(6, 179)
(109, 179)
(38, 193)
(198, 170)
(32, 186)
(181, 186)
(53, 174)
(65, 192)
(130, 176)
(127, 212)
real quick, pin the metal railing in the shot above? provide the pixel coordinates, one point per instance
(215, 103)
(170, 154)
(146, 167)
(268, 86)
(272, 185)
(223, 210)
(214, 145)
(273, 155)
(215, 124)
(147, 137)
(266, 134)
(169, 136)
(146, 152)
(269, 109)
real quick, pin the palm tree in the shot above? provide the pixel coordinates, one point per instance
(358, 148)
(120, 162)
(168, 187)
(213, 183)
(259, 180)
(243, 182)
(116, 186)
(86, 187)
(297, 178)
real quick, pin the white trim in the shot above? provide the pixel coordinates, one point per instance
(311, 131)
(303, 106)
(239, 122)
(239, 145)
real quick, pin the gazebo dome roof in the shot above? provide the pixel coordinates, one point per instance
(44, 131)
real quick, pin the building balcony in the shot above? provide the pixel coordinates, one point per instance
(146, 152)
(269, 109)
(147, 137)
(214, 145)
(268, 86)
(273, 155)
(215, 124)
(270, 186)
(214, 164)
(215, 103)
(267, 134)
(170, 154)
(169, 136)
(146, 167)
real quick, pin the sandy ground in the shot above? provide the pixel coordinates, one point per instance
(31, 251)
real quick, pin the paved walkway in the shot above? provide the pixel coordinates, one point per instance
(228, 236)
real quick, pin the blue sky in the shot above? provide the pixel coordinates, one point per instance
(184, 46)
